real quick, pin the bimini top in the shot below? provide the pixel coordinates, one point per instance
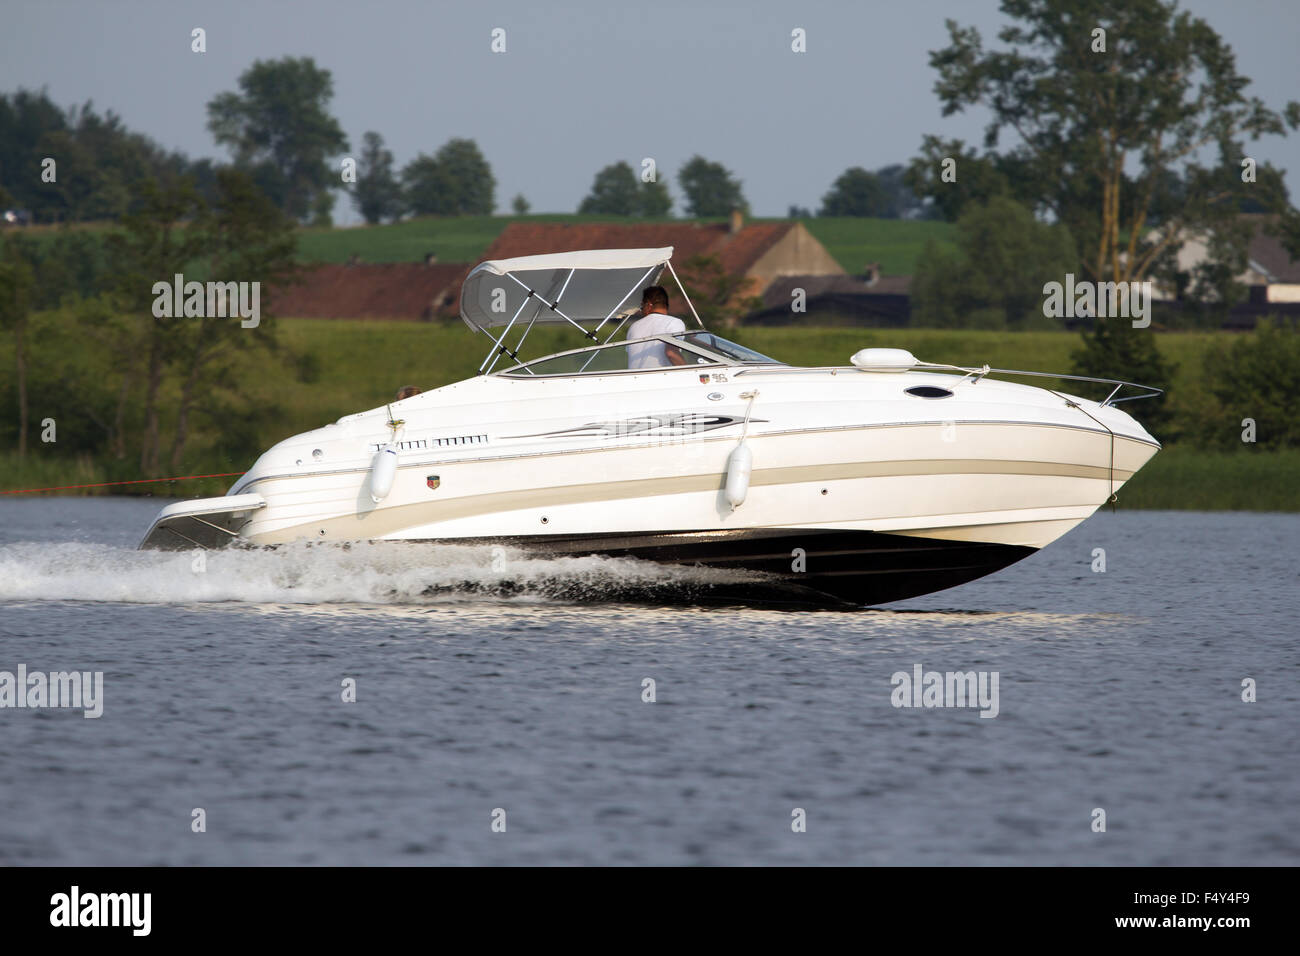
(579, 288)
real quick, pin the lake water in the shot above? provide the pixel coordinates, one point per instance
(222, 690)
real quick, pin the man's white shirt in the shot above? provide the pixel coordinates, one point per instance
(651, 354)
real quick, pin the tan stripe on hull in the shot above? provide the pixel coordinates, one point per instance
(393, 519)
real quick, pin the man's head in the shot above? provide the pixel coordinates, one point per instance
(654, 299)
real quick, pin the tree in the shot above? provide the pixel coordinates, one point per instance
(157, 241)
(1114, 349)
(279, 126)
(376, 193)
(902, 203)
(952, 177)
(98, 161)
(27, 118)
(423, 187)
(520, 205)
(653, 199)
(1258, 377)
(455, 181)
(995, 276)
(17, 281)
(614, 192)
(246, 239)
(856, 193)
(710, 189)
(1147, 95)
(242, 236)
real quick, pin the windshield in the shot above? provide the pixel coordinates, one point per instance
(725, 348)
(601, 358)
(702, 348)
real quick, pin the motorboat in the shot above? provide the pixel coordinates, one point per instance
(870, 482)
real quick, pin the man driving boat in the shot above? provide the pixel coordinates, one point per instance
(654, 320)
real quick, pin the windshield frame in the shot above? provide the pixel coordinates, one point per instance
(685, 339)
(522, 369)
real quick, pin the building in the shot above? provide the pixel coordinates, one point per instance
(869, 299)
(395, 290)
(1271, 275)
(761, 251)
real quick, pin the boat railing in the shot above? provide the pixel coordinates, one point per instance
(975, 374)
(1146, 391)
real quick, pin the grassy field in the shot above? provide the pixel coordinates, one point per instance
(894, 243)
(361, 364)
(1193, 480)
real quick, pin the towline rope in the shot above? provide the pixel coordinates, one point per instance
(106, 484)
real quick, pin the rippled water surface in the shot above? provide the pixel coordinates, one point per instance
(222, 690)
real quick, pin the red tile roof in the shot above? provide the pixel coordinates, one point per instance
(397, 290)
(411, 290)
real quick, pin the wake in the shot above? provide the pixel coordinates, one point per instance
(337, 573)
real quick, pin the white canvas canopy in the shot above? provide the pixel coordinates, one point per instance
(580, 288)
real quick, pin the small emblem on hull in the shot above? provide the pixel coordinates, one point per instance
(704, 379)
(432, 481)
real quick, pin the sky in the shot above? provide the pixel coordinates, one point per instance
(581, 84)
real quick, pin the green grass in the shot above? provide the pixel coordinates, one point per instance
(42, 470)
(1188, 479)
(460, 239)
(363, 363)
(894, 243)
(451, 239)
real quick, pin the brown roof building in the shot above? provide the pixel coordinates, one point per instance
(1271, 263)
(393, 290)
(762, 251)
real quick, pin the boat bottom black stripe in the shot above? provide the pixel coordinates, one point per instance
(792, 565)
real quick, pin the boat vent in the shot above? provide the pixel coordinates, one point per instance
(417, 444)
(928, 391)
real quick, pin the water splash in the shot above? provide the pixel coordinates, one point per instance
(315, 573)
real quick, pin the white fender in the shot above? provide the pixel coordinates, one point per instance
(739, 465)
(884, 360)
(383, 469)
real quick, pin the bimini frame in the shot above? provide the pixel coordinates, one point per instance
(499, 348)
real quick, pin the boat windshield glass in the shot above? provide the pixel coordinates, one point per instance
(730, 350)
(603, 359)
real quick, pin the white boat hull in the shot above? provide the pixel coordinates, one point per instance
(858, 492)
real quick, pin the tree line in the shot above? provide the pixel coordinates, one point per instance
(278, 128)
(144, 365)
